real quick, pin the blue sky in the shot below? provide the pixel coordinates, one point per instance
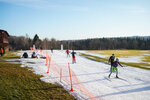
(75, 19)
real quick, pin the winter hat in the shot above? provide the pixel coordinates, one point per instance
(117, 59)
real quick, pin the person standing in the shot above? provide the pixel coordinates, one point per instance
(73, 57)
(114, 68)
(2, 51)
(67, 51)
(111, 60)
(51, 49)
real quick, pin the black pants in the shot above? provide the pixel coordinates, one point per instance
(111, 66)
(1, 54)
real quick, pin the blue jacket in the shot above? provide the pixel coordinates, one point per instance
(116, 63)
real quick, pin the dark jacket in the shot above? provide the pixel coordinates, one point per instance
(116, 63)
(25, 55)
(111, 59)
(73, 53)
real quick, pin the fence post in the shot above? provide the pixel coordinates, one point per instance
(70, 78)
(46, 58)
(60, 74)
(48, 64)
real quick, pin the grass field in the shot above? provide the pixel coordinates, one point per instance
(17, 83)
(144, 54)
(9, 55)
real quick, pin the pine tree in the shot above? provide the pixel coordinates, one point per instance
(36, 41)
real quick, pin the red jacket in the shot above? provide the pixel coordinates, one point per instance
(67, 51)
(2, 50)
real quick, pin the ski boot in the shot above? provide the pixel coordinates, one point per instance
(109, 76)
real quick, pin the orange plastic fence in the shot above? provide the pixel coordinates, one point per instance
(67, 76)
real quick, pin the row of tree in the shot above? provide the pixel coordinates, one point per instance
(24, 43)
(139, 43)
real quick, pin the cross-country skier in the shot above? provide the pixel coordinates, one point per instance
(67, 51)
(114, 67)
(73, 57)
(111, 60)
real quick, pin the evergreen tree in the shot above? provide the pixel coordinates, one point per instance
(37, 41)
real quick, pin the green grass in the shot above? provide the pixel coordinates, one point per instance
(121, 53)
(138, 65)
(95, 58)
(145, 54)
(17, 83)
(146, 58)
(105, 60)
(10, 55)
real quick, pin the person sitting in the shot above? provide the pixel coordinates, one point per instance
(34, 55)
(1, 52)
(25, 55)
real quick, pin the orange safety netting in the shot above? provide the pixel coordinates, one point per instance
(67, 76)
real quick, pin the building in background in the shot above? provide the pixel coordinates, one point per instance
(4, 40)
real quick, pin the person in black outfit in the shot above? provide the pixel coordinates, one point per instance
(73, 57)
(25, 55)
(111, 60)
(51, 49)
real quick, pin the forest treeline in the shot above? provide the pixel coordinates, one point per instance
(24, 43)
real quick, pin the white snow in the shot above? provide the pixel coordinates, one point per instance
(135, 59)
(133, 85)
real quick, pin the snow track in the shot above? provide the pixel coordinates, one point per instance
(133, 85)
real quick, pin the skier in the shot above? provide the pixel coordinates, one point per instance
(67, 51)
(2, 51)
(114, 67)
(111, 60)
(51, 49)
(73, 57)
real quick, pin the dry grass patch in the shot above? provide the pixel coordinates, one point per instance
(144, 54)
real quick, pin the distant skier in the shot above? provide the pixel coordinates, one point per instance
(111, 60)
(67, 51)
(51, 49)
(114, 67)
(73, 57)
